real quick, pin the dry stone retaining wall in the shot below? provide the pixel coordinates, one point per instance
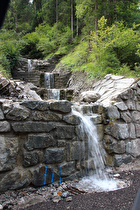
(40, 141)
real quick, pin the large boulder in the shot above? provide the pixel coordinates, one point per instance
(89, 96)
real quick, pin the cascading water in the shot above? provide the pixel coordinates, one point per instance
(49, 80)
(54, 94)
(100, 180)
(30, 67)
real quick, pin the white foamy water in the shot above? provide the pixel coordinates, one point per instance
(49, 80)
(30, 67)
(54, 94)
(99, 179)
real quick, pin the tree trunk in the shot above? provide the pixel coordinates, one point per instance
(72, 19)
(115, 11)
(96, 20)
(57, 21)
(77, 28)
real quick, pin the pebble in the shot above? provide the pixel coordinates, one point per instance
(69, 199)
(1, 207)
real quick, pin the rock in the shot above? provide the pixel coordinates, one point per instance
(118, 160)
(46, 116)
(1, 207)
(96, 119)
(89, 96)
(121, 106)
(64, 132)
(36, 105)
(68, 168)
(5, 126)
(62, 106)
(68, 199)
(1, 115)
(112, 112)
(18, 113)
(56, 199)
(118, 130)
(137, 126)
(65, 194)
(31, 158)
(41, 176)
(14, 180)
(54, 155)
(113, 146)
(72, 119)
(34, 127)
(40, 141)
(8, 152)
(133, 148)
(126, 116)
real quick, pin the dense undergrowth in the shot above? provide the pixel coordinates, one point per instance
(114, 49)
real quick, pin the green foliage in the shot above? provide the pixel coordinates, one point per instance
(28, 46)
(9, 55)
(115, 50)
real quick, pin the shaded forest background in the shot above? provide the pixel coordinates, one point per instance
(97, 36)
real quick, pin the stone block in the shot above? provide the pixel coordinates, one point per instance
(68, 168)
(76, 151)
(1, 115)
(29, 127)
(43, 175)
(61, 143)
(138, 106)
(14, 180)
(113, 146)
(127, 159)
(54, 155)
(60, 106)
(136, 116)
(100, 131)
(46, 116)
(131, 105)
(126, 116)
(96, 118)
(18, 113)
(109, 160)
(118, 160)
(121, 106)
(64, 132)
(133, 148)
(5, 126)
(132, 131)
(31, 158)
(112, 112)
(138, 83)
(118, 130)
(8, 152)
(40, 141)
(36, 105)
(137, 126)
(72, 119)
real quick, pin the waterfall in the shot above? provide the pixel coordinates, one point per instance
(54, 94)
(30, 67)
(49, 80)
(100, 179)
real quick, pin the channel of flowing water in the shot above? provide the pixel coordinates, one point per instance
(98, 179)
(48, 80)
(30, 67)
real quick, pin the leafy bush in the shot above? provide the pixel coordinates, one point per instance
(28, 46)
(9, 55)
